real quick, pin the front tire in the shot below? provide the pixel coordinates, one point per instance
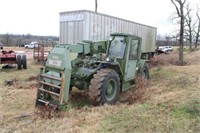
(105, 87)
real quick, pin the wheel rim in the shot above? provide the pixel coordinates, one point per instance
(110, 90)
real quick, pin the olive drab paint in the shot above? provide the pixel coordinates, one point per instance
(103, 68)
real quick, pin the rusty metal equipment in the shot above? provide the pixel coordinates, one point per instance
(39, 53)
(11, 57)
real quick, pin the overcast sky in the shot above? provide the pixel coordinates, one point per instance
(41, 17)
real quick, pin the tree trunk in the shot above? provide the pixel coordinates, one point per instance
(197, 35)
(190, 41)
(96, 5)
(180, 13)
(181, 39)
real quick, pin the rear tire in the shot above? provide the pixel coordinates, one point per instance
(24, 61)
(105, 87)
(19, 62)
(145, 72)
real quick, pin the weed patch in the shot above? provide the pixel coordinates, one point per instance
(161, 74)
(79, 99)
(26, 85)
(143, 118)
(183, 81)
(187, 117)
(29, 83)
(47, 112)
(193, 108)
(164, 60)
(138, 94)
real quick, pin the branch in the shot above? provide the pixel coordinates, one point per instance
(188, 9)
(184, 2)
(187, 21)
(187, 31)
(194, 24)
(173, 16)
(197, 13)
(193, 30)
(176, 7)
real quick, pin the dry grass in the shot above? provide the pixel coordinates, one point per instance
(138, 94)
(165, 59)
(172, 59)
(168, 103)
(173, 105)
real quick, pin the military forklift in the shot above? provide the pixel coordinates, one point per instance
(104, 68)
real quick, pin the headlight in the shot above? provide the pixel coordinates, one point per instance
(111, 38)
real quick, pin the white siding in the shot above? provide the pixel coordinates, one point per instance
(76, 26)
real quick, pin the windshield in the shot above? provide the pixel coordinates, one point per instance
(117, 47)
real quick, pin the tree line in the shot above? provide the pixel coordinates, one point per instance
(20, 40)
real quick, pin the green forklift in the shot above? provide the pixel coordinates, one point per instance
(103, 68)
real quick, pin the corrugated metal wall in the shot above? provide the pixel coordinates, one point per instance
(76, 26)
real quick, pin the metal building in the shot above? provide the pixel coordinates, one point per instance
(76, 26)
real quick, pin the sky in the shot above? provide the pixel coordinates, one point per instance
(41, 17)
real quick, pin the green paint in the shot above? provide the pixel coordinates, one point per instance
(122, 54)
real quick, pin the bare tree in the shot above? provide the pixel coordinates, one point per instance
(7, 39)
(198, 28)
(179, 5)
(189, 25)
(96, 5)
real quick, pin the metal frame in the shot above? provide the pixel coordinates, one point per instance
(42, 88)
(39, 54)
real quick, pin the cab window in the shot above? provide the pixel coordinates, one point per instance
(133, 52)
(117, 47)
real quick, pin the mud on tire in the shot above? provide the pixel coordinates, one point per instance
(145, 72)
(104, 87)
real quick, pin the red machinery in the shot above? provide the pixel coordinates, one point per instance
(11, 57)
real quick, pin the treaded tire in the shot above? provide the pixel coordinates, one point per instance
(24, 61)
(104, 87)
(19, 62)
(145, 72)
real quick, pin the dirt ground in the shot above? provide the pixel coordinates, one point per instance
(169, 102)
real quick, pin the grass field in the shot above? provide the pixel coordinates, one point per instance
(170, 102)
